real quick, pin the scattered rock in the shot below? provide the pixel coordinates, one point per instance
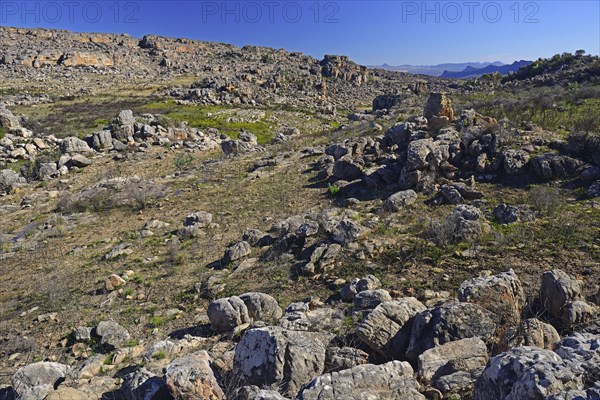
(525, 373)
(393, 380)
(399, 200)
(227, 313)
(447, 323)
(501, 294)
(279, 358)
(387, 328)
(191, 377)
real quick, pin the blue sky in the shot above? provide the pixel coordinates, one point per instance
(370, 32)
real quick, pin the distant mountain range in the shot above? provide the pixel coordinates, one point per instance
(471, 72)
(435, 70)
(456, 70)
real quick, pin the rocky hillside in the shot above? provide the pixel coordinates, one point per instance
(189, 220)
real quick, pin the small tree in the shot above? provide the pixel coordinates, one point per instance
(579, 53)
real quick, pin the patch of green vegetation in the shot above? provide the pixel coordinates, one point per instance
(576, 108)
(203, 117)
(108, 359)
(2, 132)
(183, 161)
(159, 355)
(333, 189)
(158, 321)
(101, 122)
(131, 343)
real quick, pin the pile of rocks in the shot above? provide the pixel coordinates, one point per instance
(439, 155)
(402, 349)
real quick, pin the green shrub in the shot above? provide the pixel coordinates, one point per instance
(183, 161)
(333, 189)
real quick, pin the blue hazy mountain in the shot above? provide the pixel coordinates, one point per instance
(472, 72)
(436, 70)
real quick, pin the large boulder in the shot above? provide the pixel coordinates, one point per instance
(369, 299)
(10, 181)
(532, 332)
(38, 374)
(438, 105)
(73, 145)
(525, 373)
(347, 169)
(515, 161)
(501, 294)
(122, 126)
(453, 357)
(558, 289)
(274, 357)
(236, 252)
(340, 358)
(355, 286)
(111, 335)
(387, 328)
(227, 313)
(552, 166)
(400, 200)
(141, 384)
(581, 352)
(393, 380)
(447, 323)
(8, 120)
(417, 154)
(261, 306)
(191, 378)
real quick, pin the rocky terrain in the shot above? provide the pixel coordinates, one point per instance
(193, 220)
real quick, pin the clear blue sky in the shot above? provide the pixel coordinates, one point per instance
(370, 32)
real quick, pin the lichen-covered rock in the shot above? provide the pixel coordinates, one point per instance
(459, 356)
(111, 335)
(447, 323)
(38, 374)
(191, 378)
(369, 299)
(532, 332)
(10, 180)
(557, 289)
(501, 294)
(525, 373)
(399, 200)
(581, 351)
(141, 384)
(340, 358)
(73, 145)
(515, 161)
(387, 328)
(227, 313)
(438, 105)
(351, 289)
(261, 306)
(236, 252)
(393, 380)
(274, 357)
